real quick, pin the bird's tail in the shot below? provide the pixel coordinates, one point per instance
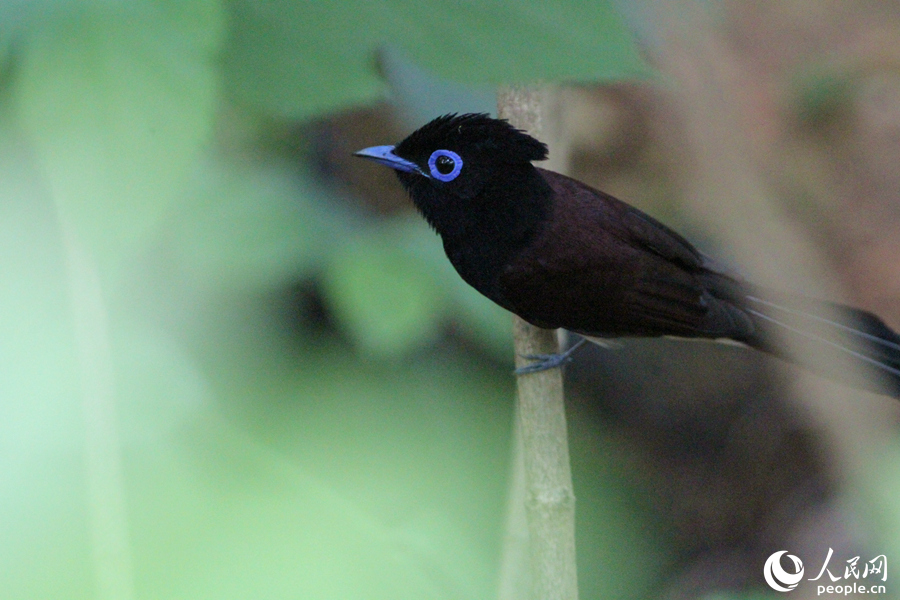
(846, 344)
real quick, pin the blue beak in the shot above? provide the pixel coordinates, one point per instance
(385, 156)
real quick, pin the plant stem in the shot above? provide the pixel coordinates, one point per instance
(548, 496)
(107, 510)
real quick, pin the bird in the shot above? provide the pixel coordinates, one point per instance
(561, 254)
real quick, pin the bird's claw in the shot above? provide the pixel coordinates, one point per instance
(544, 362)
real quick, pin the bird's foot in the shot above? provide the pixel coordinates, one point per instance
(544, 362)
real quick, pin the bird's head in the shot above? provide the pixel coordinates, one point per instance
(455, 157)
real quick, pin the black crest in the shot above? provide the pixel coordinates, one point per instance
(476, 131)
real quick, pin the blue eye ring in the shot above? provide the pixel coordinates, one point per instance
(434, 167)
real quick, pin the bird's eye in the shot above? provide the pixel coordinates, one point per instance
(444, 165)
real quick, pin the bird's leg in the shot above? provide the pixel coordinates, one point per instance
(549, 361)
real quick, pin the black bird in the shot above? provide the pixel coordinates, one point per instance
(559, 253)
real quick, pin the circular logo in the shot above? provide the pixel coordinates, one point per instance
(779, 579)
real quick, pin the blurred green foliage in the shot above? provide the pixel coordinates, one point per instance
(116, 102)
(296, 59)
(253, 460)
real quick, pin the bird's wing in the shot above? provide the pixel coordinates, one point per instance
(603, 267)
(683, 287)
(631, 225)
(645, 231)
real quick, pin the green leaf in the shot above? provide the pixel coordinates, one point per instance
(294, 59)
(384, 297)
(251, 224)
(515, 41)
(822, 94)
(336, 480)
(117, 100)
(393, 288)
(420, 95)
(615, 524)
